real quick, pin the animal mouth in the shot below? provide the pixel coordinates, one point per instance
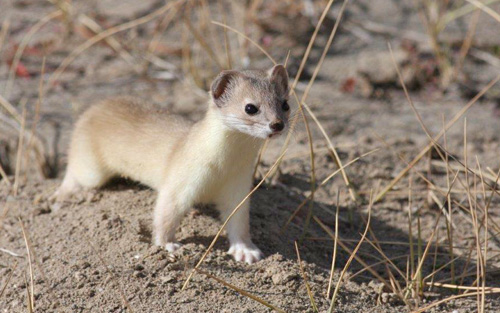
(274, 134)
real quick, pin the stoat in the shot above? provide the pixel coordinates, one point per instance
(210, 161)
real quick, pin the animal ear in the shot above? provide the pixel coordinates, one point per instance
(221, 84)
(279, 76)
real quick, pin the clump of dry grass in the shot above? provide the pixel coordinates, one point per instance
(436, 16)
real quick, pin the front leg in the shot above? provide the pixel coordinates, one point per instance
(238, 228)
(168, 214)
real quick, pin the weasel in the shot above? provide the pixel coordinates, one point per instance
(210, 161)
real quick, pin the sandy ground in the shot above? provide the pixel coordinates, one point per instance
(95, 255)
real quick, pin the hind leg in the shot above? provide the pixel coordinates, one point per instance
(84, 172)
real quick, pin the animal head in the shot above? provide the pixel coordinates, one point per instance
(253, 102)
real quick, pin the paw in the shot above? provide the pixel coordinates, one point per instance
(172, 246)
(248, 253)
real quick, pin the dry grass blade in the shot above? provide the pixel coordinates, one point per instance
(464, 49)
(28, 250)
(108, 32)
(485, 9)
(241, 291)
(10, 109)
(4, 176)
(227, 44)
(24, 43)
(302, 64)
(4, 32)
(20, 149)
(313, 170)
(29, 298)
(426, 149)
(31, 140)
(155, 40)
(436, 303)
(259, 157)
(334, 253)
(306, 93)
(376, 245)
(8, 279)
(108, 269)
(301, 205)
(346, 248)
(308, 288)
(351, 257)
(10, 253)
(426, 251)
(111, 41)
(203, 43)
(15, 123)
(247, 38)
(336, 157)
(219, 232)
(459, 12)
(311, 43)
(458, 287)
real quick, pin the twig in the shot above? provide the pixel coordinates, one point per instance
(241, 291)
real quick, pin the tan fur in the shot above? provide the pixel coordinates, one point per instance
(210, 161)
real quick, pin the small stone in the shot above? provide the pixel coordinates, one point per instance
(282, 278)
(149, 284)
(168, 278)
(42, 210)
(79, 276)
(138, 267)
(37, 198)
(85, 265)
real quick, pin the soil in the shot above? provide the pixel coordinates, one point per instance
(96, 255)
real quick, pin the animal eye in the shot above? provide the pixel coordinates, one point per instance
(251, 109)
(285, 106)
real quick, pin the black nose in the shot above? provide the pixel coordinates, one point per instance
(277, 125)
